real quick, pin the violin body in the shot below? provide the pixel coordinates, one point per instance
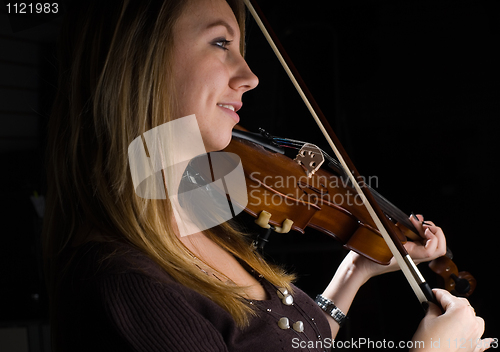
(278, 185)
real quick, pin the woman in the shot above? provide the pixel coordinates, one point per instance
(120, 275)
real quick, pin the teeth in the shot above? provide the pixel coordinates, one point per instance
(230, 107)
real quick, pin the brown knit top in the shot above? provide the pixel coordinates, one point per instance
(128, 303)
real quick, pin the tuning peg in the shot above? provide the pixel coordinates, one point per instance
(462, 286)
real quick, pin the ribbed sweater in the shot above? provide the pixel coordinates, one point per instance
(128, 303)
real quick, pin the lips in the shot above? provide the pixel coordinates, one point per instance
(231, 105)
(231, 108)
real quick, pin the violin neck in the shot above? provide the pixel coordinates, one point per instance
(390, 210)
(394, 213)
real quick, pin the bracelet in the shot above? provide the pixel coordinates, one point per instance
(331, 309)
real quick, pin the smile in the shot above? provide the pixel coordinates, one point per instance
(230, 107)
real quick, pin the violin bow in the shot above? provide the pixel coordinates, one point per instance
(416, 280)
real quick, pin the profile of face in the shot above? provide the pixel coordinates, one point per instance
(209, 71)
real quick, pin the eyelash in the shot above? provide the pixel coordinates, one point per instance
(222, 43)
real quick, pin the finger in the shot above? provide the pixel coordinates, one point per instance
(428, 223)
(420, 252)
(479, 325)
(431, 227)
(424, 227)
(445, 299)
(435, 239)
(433, 311)
(432, 241)
(417, 220)
(459, 307)
(431, 248)
(417, 217)
(435, 245)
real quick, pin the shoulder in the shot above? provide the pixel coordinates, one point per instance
(118, 270)
(115, 288)
(116, 258)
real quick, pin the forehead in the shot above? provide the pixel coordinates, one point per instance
(203, 15)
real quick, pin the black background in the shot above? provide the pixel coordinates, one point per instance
(411, 89)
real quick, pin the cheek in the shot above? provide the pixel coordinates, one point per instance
(185, 82)
(198, 91)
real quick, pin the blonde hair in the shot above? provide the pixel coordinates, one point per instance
(114, 85)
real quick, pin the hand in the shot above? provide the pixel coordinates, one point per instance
(432, 246)
(457, 329)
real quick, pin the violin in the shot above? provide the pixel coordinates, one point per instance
(292, 194)
(307, 188)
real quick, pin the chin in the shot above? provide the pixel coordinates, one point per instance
(225, 142)
(219, 143)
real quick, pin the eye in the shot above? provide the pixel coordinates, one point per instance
(222, 43)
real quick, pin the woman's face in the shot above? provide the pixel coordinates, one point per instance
(209, 72)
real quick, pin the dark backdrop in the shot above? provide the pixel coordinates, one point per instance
(412, 90)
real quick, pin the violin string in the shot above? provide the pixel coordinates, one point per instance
(286, 142)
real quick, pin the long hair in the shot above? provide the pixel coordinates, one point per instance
(115, 84)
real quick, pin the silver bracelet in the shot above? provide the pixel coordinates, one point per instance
(331, 309)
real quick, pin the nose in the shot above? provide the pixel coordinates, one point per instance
(243, 79)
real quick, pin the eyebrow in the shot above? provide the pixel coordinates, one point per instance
(221, 23)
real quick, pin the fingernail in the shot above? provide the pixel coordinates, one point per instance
(428, 235)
